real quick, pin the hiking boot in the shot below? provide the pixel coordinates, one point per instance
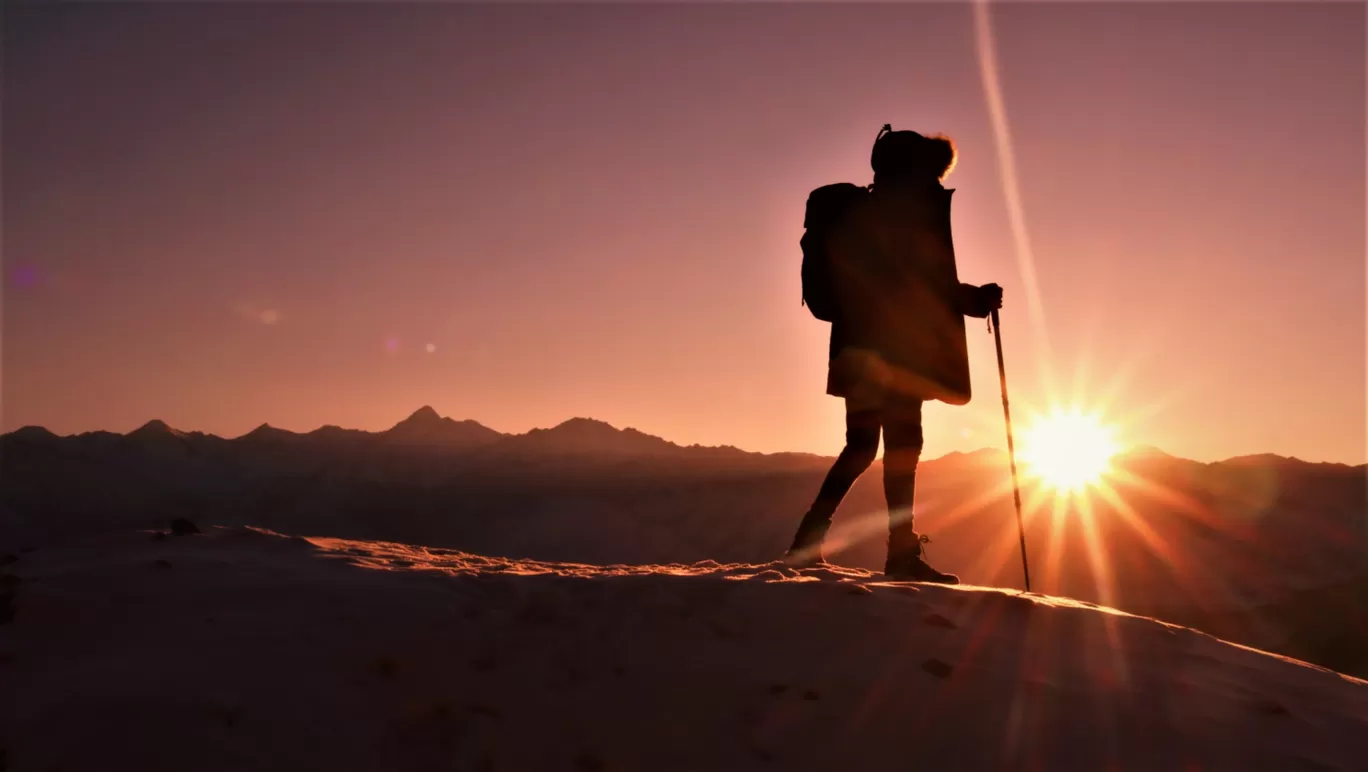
(911, 568)
(907, 563)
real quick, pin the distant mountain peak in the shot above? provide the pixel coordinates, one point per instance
(329, 432)
(1260, 459)
(152, 429)
(424, 419)
(594, 429)
(583, 425)
(590, 435)
(33, 433)
(426, 427)
(425, 414)
(267, 432)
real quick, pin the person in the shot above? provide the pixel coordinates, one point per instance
(898, 339)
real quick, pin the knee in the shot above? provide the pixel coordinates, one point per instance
(911, 447)
(902, 460)
(903, 453)
(906, 439)
(860, 451)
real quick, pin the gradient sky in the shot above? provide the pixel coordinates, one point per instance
(223, 215)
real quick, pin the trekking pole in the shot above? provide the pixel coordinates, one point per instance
(1011, 449)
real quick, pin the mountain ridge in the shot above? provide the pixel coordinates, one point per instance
(425, 426)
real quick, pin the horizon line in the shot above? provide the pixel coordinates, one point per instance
(427, 410)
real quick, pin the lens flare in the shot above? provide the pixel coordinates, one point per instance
(1068, 450)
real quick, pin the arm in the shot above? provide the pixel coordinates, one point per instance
(979, 302)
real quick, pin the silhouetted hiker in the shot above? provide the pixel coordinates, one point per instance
(879, 264)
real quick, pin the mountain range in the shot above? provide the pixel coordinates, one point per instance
(1265, 550)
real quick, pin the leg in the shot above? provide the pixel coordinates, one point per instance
(862, 445)
(902, 452)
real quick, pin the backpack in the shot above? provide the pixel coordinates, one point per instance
(826, 206)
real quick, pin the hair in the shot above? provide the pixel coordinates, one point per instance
(941, 155)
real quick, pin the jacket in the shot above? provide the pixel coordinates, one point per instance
(900, 328)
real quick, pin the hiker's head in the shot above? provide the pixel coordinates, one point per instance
(909, 155)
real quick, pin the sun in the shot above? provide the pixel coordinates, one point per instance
(1068, 450)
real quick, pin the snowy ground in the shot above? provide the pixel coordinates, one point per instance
(245, 650)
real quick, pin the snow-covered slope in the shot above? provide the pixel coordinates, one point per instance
(242, 650)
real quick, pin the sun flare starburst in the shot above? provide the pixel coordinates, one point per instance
(1068, 450)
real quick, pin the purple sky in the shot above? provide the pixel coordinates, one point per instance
(220, 215)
